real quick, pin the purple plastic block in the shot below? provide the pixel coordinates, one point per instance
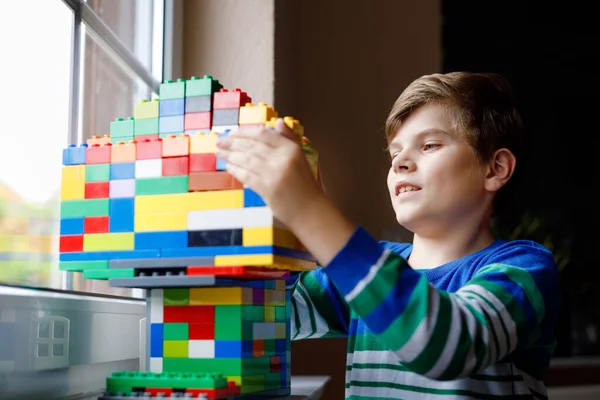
(258, 296)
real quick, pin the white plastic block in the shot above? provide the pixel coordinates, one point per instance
(122, 188)
(148, 168)
(263, 331)
(224, 128)
(201, 349)
(156, 306)
(156, 365)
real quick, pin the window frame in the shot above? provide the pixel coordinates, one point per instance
(83, 14)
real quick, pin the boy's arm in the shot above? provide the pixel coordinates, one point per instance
(438, 334)
(318, 310)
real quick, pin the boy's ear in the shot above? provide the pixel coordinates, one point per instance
(501, 168)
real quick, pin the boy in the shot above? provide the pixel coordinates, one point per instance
(478, 320)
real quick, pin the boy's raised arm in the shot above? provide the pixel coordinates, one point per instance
(438, 334)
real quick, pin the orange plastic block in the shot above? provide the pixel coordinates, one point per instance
(203, 143)
(123, 152)
(176, 146)
(220, 180)
(256, 114)
(98, 140)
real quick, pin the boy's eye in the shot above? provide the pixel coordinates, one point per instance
(430, 146)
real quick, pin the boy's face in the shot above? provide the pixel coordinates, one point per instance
(435, 180)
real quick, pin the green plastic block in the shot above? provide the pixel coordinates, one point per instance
(270, 347)
(175, 331)
(125, 381)
(231, 323)
(253, 313)
(172, 90)
(97, 173)
(225, 366)
(280, 313)
(146, 109)
(122, 128)
(84, 208)
(108, 273)
(176, 297)
(80, 266)
(204, 86)
(161, 185)
(148, 126)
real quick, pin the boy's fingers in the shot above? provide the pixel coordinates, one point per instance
(285, 130)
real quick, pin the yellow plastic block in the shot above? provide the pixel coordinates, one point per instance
(266, 260)
(175, 349)
(203, 143)
(184, 202)
(160, 222)
(268, 236)
(73, 182)
(280, 284)
(274, 297)
(146, 109)
(291, 122)
(220, 296)
(108, 241)
(256, 114)
(280, 331)
(269, 313)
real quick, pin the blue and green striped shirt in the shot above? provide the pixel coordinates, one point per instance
(481, 326)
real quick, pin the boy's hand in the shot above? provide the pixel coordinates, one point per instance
(273, 165)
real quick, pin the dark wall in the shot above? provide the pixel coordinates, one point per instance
(546, 51)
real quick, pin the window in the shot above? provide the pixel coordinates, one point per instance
(76, 66)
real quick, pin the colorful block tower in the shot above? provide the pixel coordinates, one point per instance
(151, 206)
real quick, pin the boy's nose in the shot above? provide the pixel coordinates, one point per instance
(403, 163)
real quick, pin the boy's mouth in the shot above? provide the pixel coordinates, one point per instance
(405, 187)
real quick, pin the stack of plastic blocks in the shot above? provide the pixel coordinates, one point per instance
(149, 205)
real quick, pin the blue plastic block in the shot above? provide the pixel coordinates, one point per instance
(215, 237)
(124, 170)
(71, 226)
(109, 255)
(156, 340)
(233, 348)
(216, 251)
(7, 344)
(171, 107)
(158, 240)
(252, 199)
(280, 346)
(74, 155)
(293, 253)
(221, 164)
(270, 284)
(173, 124)
(121, 215)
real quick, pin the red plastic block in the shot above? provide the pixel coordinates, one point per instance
(71, 243)
(195, 314)
(175, 166)
(95, 225)
(201, 331)
(203, 163)
(224, 99)
(258, 348)
(201, 120)
(231, 390)
(149, 149)
(97, 190)
(98, 154)
(275, 363)
(239, 272)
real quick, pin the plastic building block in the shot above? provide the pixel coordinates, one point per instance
(74, 155)
(151, 206)
(98, 140)
(235, 98)
(256, 114)
(172, 89)
(206, 85)
(146, 109)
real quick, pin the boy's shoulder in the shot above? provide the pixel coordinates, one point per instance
(501, 254)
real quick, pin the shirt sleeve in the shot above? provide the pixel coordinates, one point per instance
(444, 335)
(317, 308)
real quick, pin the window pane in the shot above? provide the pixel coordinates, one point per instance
(109, 91)
(132, 22)
(35, 115)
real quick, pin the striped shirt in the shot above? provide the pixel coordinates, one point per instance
(481, 326)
